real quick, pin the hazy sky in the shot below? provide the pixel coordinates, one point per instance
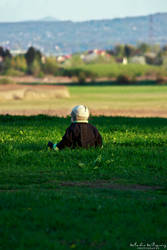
(77, 10)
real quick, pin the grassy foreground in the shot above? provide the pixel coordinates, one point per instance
(106, 198)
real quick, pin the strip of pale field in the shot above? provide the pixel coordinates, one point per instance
(106, 100)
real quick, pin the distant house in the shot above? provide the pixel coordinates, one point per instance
(62, 59)
(68, 56)
(93, 55)
(152, 58)
(90, 57)
(138, 60)
(100, 52)
(125, 61)
(122, 60)
(90, 52)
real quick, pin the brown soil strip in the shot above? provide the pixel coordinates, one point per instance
(98, 112)
(130, 113)
(32, 79)
(99, 184)
(114, 186)
(7, 87)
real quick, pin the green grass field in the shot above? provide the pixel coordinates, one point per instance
(105, 198)
(115, 69)
(149, 99)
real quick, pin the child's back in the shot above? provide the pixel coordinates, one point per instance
(80, 133)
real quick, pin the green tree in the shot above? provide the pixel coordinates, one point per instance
(35, 68)
(50, 66)
(119, 50)
(5, 52)
(33, 54)
(19, 63)
(6, 64)
(164, 49)
(129, 50)
(144, 48)
(75, 60)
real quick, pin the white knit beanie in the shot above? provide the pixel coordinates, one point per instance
(80, 113)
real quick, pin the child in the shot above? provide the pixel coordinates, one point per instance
(80, 133)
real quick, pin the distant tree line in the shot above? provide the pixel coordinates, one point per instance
(34, 63)
(4, 52)
(153, 53)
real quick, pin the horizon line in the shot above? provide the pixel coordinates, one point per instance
(44, 19)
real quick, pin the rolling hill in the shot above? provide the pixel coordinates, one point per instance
(52, 36)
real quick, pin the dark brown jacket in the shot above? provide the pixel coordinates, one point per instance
(83, 135)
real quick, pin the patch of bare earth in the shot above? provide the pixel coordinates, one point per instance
(108, 185)
(7, 87)
(46, 79)
(100, 184)
(30, 92)
(130, 112)
(30, 112)
(98, 112)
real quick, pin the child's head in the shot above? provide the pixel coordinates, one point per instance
(80, 113)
